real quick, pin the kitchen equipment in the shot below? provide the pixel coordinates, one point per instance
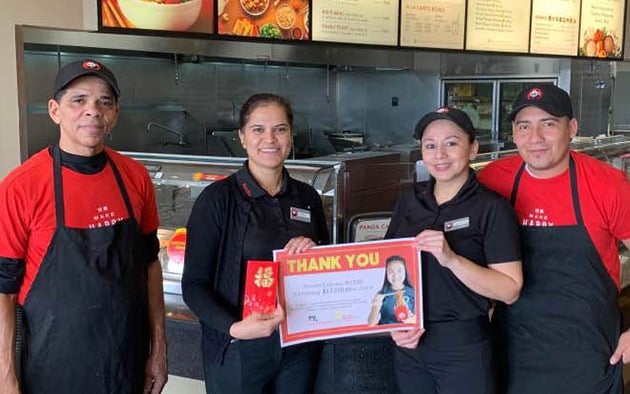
(231, 141)
(346, 140)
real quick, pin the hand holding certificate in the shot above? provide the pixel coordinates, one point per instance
(350, 289)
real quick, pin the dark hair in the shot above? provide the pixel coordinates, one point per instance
(262, 99)
(394, 259)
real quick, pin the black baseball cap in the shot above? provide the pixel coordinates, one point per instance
(79, 68)
(547, 97)
(457, 116)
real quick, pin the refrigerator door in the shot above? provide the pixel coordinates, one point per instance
(476, 98)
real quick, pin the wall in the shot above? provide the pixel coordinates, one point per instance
(201, 100)
(591, 91)
(58, 13)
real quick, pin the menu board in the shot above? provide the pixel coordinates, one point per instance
(277, 19)
(601, 32)
(555, 27)
(498, 25)
(356, 21)
(190, 16)
(432, 24)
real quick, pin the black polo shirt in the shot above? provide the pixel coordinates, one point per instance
(274, 220)
(478, 224)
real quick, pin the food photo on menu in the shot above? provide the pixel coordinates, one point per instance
(275, 19)
(601, 43)
(193, 16)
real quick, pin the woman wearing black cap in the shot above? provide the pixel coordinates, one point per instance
(469, 240)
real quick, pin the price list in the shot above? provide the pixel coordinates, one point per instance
(432, 24)
(498, 25)
(356, 21)
(555, 27)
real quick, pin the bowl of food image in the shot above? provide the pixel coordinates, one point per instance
(254, 7)
(174, 15)
(285, 16)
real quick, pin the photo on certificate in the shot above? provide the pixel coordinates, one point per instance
(351, 289)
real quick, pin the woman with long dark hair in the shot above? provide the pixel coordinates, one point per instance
(395, 302)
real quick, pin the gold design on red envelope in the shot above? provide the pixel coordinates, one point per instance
(264, 277)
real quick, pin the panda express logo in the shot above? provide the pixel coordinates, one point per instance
(535, 94)
(90, 65)
(442, 110)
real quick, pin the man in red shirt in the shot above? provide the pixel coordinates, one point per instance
(78, 255)
(563, 334)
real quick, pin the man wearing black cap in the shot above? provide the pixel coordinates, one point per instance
(469, 240)
(563, 334)
(78, 255)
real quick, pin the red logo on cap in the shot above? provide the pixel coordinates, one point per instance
(91, 65)
(534, 94)
(442, 110)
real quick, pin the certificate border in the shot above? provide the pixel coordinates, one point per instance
(280, 256)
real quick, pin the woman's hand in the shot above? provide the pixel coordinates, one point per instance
(622, 352)
(375, 310)
(500, 281)
(298, 245)
(257, 325)
(408, 339)
(377, 300)
(434, 242)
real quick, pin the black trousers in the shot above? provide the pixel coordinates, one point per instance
(260, 366)
(452, 358)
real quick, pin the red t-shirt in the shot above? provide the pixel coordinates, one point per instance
(604, 194)
(27, 203)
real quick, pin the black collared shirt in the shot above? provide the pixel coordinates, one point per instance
(478, 224)
(274, 220)
(232, 221)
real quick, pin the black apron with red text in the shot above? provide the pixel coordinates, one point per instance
(86, 317)
(560, 334)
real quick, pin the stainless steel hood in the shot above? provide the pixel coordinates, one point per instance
(229, 49)
(445, 63)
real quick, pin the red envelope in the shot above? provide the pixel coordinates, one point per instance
(261, 287)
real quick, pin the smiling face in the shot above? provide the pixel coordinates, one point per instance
(543, 140)
(447, 151)
(396, 274)
(86, 112)
(266, 137)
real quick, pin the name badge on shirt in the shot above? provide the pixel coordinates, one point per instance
(456, 224)
(301, 215)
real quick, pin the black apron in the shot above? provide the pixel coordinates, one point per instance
(86, 316)
(560, 334)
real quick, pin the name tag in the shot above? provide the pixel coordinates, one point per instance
(301, 215)
(456, 224)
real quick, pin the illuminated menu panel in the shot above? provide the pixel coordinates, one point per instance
(555, 27)
(280, 20)
(173, 16)
(433, 24)
(356, 21)
(601, 31)
(498, 25)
